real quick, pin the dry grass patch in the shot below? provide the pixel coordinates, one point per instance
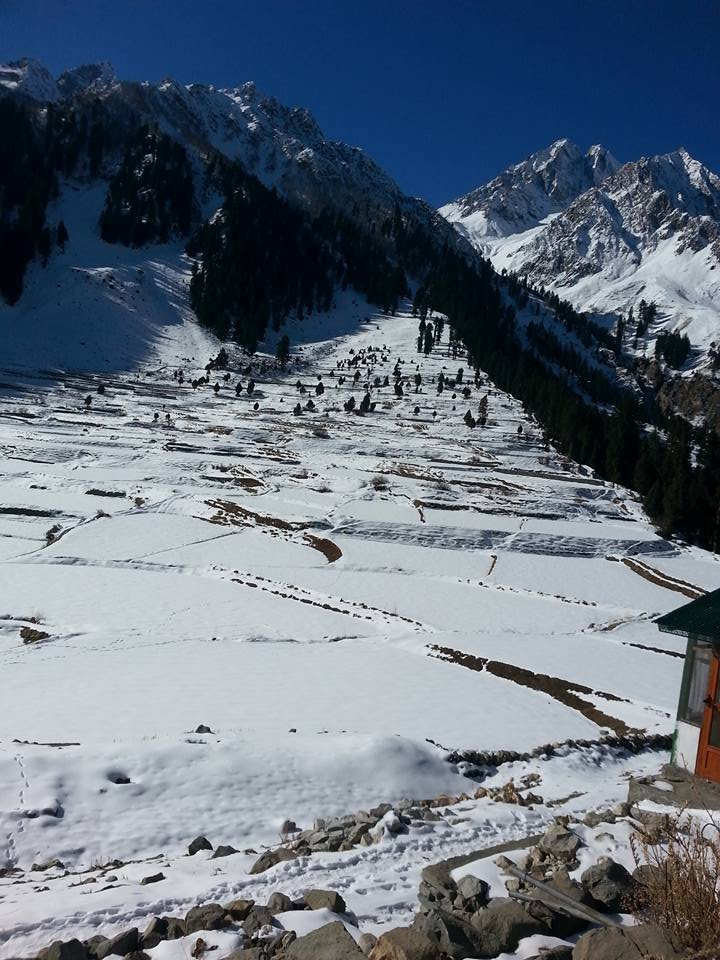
(680, 887)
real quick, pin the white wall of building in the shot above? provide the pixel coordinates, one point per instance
(687, 738)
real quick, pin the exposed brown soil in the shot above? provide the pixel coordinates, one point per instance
(232, 514)
(661, 579)
(564, 691)
(330, 550)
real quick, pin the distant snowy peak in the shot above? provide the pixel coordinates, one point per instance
(606, 236)
(528, 192)
(29, 78)
(615, 226)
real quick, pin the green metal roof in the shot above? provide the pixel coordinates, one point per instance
(699, 619)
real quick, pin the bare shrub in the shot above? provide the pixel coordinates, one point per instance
(679, 886)
(379, 482)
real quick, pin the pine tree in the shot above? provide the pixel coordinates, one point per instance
(62, 235)
(282, 352)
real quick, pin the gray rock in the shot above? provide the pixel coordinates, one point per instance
(502, 925)
(210, 916)
(324, 899)
(176, 928)
(65, 950)
(630, 943)
(279, 903)
(125, 942)
(153, 878)
(595, 817)
(609, 884)
(258, 918)
(48, 865)
(560, 843)
(272, 857)
(199, 843)
(456, 936)
(356, 833)
(472, 893)
(331, 942)
(405, 943)
(437, 887)
(137, 955)
(224, 851)
(154, 933)
(93, 944)
(366, 942)
(239, 909)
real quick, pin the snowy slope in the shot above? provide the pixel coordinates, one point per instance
(605, 237)
(99, 306)
(199, 594)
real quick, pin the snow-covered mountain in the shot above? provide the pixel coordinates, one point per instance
(527, 193)
(282, 146)
(606, 236)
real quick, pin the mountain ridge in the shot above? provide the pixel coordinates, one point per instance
(647, 229)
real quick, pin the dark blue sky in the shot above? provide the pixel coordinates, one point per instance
(442, 94)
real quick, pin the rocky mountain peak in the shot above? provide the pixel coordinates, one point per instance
(28, 77)
(89, 76)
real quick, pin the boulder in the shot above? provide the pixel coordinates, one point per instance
(366, 942)
(211, 916)
(125, 942)
(331, 942)
(176, 928)
(456, 937)
(437, 887)
(199, 843)
(328, 899)
(224, 851)
(152, 878)
(49, 865)
(93, 943)
(154, 933)
(65, 950)
(502, 925)
(560, 843)
(609, 884)
(472, 893)
(405, 943)
(239, 909)
(279, 903)
(258, 918)
(630, 943)
(560, 952)
(272, 857)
